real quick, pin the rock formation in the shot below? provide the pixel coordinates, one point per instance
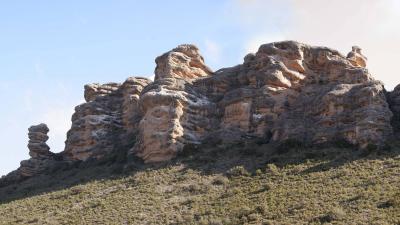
(38, 150)
(37, 141)
(108, 120)
(286, 90)
(356, 57)
(174, 112)
(393, 99)
(183, 62)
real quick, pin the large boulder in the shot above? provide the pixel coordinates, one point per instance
(356, 57)
(184, 62)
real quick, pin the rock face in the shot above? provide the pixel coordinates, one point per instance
(174, 114)
(108, 120)
(286, 90)
(183, 62)
(393, 99)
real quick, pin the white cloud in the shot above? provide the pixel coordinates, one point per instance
(252, 45)
(212, 51)
(263, 14)
(371, 24)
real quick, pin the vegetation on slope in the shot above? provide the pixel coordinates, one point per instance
(247, 183)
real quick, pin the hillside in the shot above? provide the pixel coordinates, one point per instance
(242, 183)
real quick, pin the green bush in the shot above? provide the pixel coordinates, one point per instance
(220, 180)
(238, 171)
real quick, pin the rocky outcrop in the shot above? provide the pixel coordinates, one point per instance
(182, 62)
(174, 114)
(108, 120)
(286, 90)
(356, 57)
(393, 99)
(317, 95)
(94, 90)
(37, 141)
(38, 150)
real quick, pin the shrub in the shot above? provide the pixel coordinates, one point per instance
(334, 215)
(196, 188)
(259, 172)
(394, 202)
(238, 171)
(220, 180)
(272, 169)
(76, 190)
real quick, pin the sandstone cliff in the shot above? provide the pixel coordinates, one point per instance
(285, 91)
(108, 120)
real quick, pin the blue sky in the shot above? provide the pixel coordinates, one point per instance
(50, 49)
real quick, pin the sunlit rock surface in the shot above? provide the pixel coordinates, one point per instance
(285, 91)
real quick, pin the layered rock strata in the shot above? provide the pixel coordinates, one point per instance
(183, 62)
(356, 57)
(108, 120)
(38, 150)
(393, 99)
(286, 90)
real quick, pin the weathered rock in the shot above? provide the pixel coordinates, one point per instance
(287, 90)
(37, 141)
(39, 152)
(106, 121)
(94, 90)
(174, 114)
(393, 99)
(182, 62)
(356, 57)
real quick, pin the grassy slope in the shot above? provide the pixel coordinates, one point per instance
(239, 184)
